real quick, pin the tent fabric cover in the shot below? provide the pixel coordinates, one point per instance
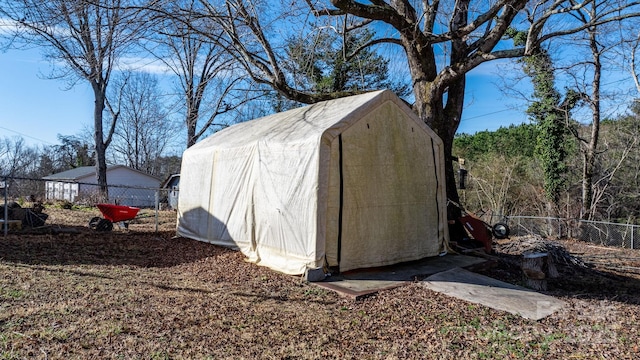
(352, 183)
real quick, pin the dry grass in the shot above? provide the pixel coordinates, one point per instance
(142, 295)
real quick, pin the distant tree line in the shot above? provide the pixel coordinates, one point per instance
(505, 172)
(18, 159)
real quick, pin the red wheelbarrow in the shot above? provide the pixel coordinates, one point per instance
(113, 214)
(480, 230)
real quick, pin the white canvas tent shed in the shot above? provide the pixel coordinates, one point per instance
(351, 183)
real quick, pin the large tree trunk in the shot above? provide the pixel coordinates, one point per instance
(101, 148)
(444, 120)
(430, 90)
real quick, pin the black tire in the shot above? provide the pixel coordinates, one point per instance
(93, 223)
(500, 230)
(13, 205)
(104, 225)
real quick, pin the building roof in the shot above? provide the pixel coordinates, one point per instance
(171, 181)
(72, 174)
(85, 171)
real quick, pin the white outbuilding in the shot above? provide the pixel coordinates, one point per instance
(351, 183)
(126, 186)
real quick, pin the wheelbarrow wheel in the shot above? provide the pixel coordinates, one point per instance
(93, 223)
(104, 225)
(500, 230)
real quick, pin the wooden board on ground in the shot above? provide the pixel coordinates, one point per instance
(480, 289)
(360, 283)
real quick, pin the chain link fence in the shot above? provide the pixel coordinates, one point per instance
(610, 234)
(596, 232)
(25, 202)
(36, 195)
(548, 227)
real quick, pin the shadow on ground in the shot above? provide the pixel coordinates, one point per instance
(585, 282)
(84, 246)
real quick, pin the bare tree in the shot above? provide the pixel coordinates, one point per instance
(442, 41)
(144, 129)
(594, 48)
(16, 158)
(492, 183)
(634, 67)
(617, 182)
(3, 153)
(84, 40)
(208, 82)
(19, 160)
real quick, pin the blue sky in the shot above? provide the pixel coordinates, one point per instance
(38, 109)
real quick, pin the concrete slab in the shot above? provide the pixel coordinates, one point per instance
(359, 283)
(493, 293)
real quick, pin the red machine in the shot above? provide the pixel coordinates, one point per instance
(113, 214)
(480, 230)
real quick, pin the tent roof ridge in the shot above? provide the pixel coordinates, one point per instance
(311, 121)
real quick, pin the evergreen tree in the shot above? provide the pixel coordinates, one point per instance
(511, 141)
(329, 63)
(73, 152)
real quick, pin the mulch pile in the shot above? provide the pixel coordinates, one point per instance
(537, 244)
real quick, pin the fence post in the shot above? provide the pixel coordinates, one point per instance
(561, 229)
(157, 193)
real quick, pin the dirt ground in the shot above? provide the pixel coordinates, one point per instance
(138, 294)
